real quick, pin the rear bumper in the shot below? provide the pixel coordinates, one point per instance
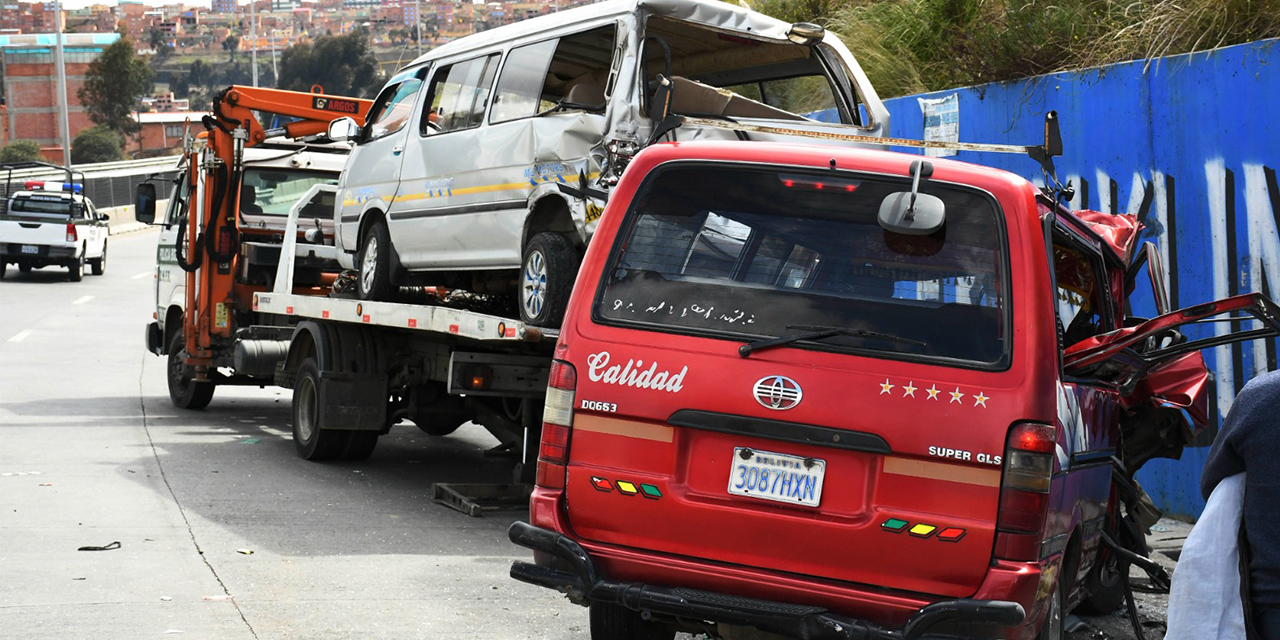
(582, 582)
(45, 254)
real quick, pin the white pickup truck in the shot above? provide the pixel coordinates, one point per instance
(50, 223)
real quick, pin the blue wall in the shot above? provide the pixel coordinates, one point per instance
(1191, 144)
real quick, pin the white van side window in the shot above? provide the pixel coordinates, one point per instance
(520, 87)
(459, 94)
(394, 107)
(571, 73)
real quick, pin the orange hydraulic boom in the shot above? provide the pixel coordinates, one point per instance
(212, 245)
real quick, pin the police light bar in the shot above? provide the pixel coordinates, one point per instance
(38, 185)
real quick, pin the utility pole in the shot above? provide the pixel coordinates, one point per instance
(253, 39)
(417, 25)
(60, 63)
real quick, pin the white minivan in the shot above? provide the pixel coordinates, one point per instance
(485, 164)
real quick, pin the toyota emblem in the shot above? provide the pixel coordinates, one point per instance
(777, 392)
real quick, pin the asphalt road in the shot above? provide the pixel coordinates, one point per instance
(93, 453)
(223, 532)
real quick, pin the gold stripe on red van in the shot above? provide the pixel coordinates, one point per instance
(942, 471)
(626, 428)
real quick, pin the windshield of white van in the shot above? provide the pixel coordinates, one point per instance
(273, 191)
(746, 254)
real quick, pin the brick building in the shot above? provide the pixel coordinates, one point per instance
(162, 132)
(30, 81)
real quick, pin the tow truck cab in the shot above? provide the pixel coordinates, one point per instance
(774, 407)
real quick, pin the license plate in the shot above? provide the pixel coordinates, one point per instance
(26, 248)
(776, 476)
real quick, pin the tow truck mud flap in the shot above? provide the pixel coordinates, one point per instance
(582, 583)
(353, 402)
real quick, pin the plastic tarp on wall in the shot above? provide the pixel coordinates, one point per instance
(1191, 144)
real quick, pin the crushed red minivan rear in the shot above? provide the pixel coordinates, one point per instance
(817, 393)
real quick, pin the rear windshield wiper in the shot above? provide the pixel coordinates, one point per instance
(818, 333)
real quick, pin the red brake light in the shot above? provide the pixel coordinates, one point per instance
(1038, 438)
(71, 232)
(557, 425)
(1024, 490)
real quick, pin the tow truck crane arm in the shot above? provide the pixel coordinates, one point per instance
(213, 297)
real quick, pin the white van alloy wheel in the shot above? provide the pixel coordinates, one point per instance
(369, 266)
(534, 286)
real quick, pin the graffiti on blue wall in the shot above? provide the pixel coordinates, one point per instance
(1189, 143)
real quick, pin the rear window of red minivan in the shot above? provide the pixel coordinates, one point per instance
(744, 253)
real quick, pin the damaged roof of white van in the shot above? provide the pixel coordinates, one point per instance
(709, 12)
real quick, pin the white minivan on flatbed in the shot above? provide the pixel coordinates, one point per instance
(51, 223)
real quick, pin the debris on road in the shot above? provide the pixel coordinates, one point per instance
(247, 552)
(109, 547)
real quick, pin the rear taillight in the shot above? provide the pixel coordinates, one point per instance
(557, 425)
(71, 232)
(1024, 493)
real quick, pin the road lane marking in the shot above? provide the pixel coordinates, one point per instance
(141, 275)
(83, 300)
(20, 336)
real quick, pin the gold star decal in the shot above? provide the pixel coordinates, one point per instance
(909, 391)
(933, 392)
(956, 395)
(980, 400)
(885, 387)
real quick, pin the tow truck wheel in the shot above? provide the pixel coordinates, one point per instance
(185, 392)
(99, 264)
(615, 622)
(1055, 618)
(546, 279)
(374, 261)
(75, 270)
(310, 441)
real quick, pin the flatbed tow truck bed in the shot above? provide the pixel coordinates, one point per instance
(358, 367)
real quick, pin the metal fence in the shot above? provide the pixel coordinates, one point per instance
(107, 184)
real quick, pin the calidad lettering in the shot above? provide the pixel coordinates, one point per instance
(634, 374)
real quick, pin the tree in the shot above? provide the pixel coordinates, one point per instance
(231, 45)
(343, 65)
(155, 38)
(20, 151)
(96, 144)
(112, 85)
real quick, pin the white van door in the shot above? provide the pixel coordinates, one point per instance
(374, 164)
(447, 212)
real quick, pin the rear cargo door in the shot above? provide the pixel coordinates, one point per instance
(858, 438)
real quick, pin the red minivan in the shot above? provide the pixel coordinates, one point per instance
(813, 392)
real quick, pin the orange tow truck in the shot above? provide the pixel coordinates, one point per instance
(226, 248)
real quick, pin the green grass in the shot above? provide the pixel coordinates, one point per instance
(910, 46)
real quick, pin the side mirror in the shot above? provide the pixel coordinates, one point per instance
(343, 129)
(910, 212)
(144, 204)
(105, 217)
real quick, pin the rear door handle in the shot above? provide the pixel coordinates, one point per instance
(397, 150)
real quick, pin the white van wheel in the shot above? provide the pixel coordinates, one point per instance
(546, 279)
(374, 260)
